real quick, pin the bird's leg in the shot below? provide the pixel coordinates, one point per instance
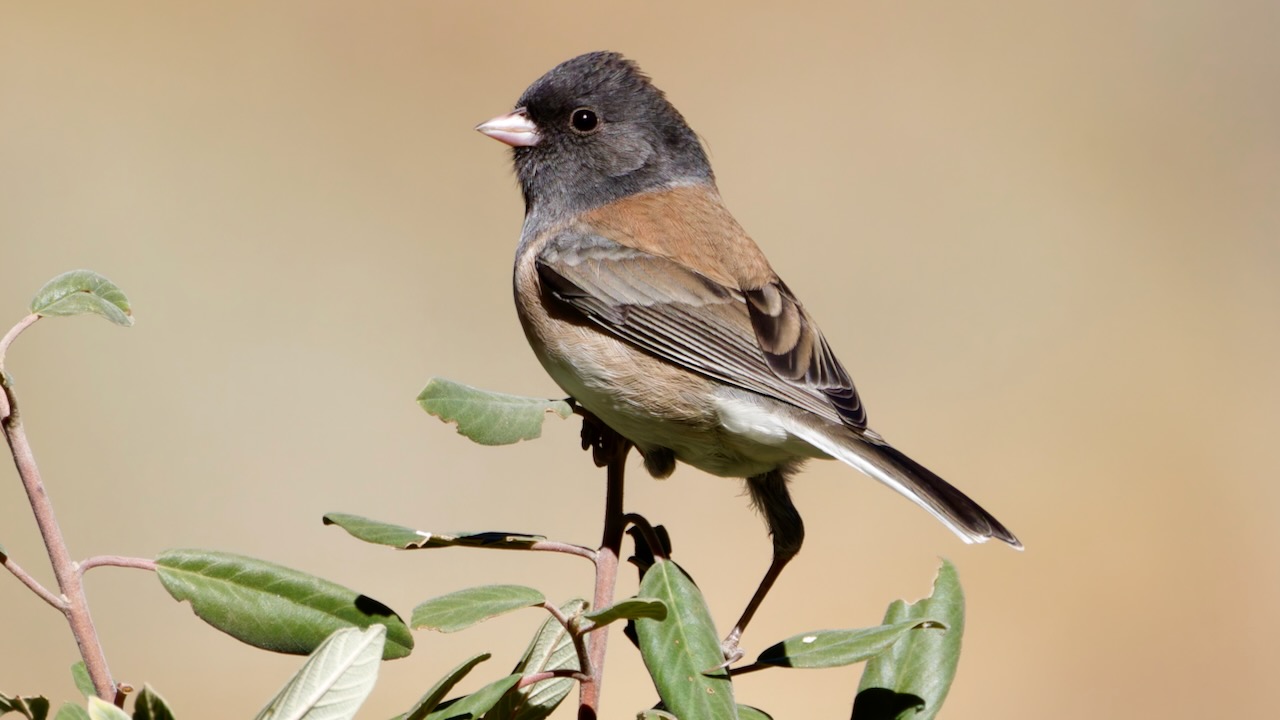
(769, 495)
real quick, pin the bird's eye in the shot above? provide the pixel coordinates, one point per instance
(584, 120)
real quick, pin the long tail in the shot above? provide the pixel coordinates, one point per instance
(869, 453)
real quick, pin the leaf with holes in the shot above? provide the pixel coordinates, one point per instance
(405, 538)
(489, 418)
(917, 670)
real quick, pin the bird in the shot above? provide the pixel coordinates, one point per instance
(646, 301)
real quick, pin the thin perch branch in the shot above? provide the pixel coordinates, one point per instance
(76, 606)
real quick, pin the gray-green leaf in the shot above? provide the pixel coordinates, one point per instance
(71, 712)
(477, 703)
(404, 538)
(83, 291)
(834, 648)
(682, 650)
(911, 678)
(334, 681)
(100, 709)
(489, 418)
(464, 608)
(271, 606)
(84, 683)
(632, 608)
(437, 693)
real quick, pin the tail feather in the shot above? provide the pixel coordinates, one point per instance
(873, 456)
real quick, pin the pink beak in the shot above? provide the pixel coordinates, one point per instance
(514, 128)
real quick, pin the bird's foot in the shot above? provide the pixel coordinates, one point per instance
(730, 650)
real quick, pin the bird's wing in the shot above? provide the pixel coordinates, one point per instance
(758, 339)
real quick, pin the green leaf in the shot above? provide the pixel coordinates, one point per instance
(437, 693)
(334, 681)
(912, 677)
(271, 606)
(84, 683)
(551, 649)
(150, 706)
(403, 538)
(71, 712)
(834, 648)
(477, 703)
(464, 608)
(632, 608)
(682, 652)
(656, 714)
(32, 708)
(83, 291)
(100, 709)
(489, 418)
(746, 712)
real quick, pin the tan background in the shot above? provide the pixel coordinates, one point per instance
(1045, 241)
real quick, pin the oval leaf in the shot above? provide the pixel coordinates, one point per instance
(834, 648)
(34, 707)
(84, 683)
(71, 712)
(271, 606)
(334, 681)
(100, 709)
(477, 703)
(746, 712)
(83, 291)
(437, 693)
(681, 650)
(150, 706)
(552, 649)
(489, 418)
(630, 609)
(464, 608)
(404, 538)
(917, 670)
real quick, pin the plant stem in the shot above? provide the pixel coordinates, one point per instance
(74, 604)
(612, 449)
(33, 584)
(579, 642)
(116, 561)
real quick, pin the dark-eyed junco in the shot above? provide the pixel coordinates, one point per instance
(647, 302)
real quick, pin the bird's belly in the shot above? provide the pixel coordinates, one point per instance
(715, 428)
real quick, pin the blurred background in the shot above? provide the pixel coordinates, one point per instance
(1044, 238)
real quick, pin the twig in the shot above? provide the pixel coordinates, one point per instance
(12, 335)
(76, 606)
(116, 561)
(531, 678)
(579, 643)
(58, 603)
(563, 547)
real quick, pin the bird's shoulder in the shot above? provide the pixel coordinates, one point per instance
(687, 224)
